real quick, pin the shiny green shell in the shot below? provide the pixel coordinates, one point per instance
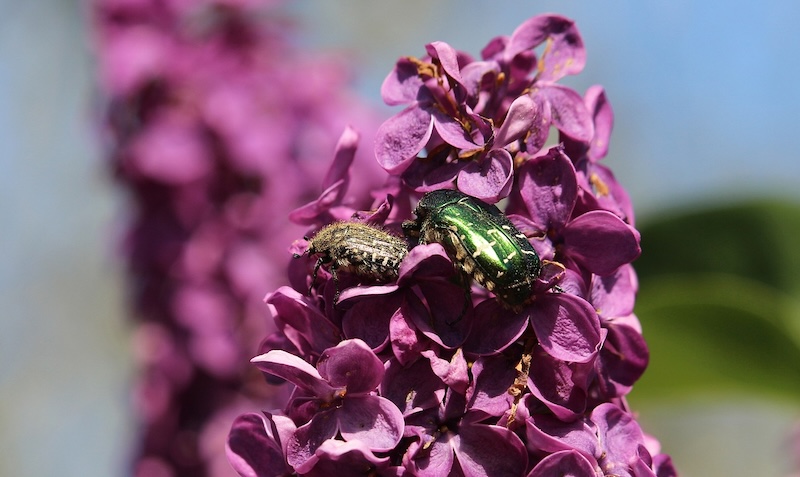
(481, 241)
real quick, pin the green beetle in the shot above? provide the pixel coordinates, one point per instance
(481, 241)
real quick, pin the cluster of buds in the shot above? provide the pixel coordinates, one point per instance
(215, 127)
(412, 376)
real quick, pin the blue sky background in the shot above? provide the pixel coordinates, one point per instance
(707, 110)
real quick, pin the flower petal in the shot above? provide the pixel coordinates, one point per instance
(564, 55)
(493, 375)
(452, 132)
(494, 328)
(603, 118)
(254, 447)
(302, 323)
(368, 318)
(402, 84)
(351, 365)
(412, 388)
(453, 373)
(567, 463)
(448, 58)
(406, 341)
(601, 242)
(489, 451)
(401, 137)
(305, 441)
(295, 370)
(488, 179)
(568, 112)
(620, 437)
(560, 386)
(345, 459)
(521, 116)
(567, 327)
(548, 189)
(615, 294)
(373, 420)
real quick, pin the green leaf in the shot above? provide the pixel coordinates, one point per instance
(758, 239)
(717, 333)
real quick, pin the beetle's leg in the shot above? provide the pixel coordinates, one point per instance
(335, 277)
(319, 263)
(467, 299)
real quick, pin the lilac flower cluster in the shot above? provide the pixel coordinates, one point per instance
(215, 126)
(415, 377)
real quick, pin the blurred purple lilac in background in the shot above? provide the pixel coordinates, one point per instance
(216, 127)
(450, 383)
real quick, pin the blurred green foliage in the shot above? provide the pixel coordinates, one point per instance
(719, 301)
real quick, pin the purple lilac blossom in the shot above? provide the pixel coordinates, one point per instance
(215, 126)
(472, 388)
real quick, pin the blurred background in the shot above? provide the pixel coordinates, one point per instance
(705, 141)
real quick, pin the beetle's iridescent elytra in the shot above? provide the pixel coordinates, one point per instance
(481, 241)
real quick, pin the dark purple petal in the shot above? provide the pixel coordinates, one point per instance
(412, 388)
(567, 327)
(473, 75)
(373, 420)
(615, 294)
(495, 48)
(453, 373)
(601, 242)
(351, 365)
(406, 341)
(342, 160)
(254, 446)
(560, 386)
(603, 116)
(402, 85)
(663, 466)
(425, 261)
(295, 370)
(452, 132)
(519, 120)
(489, 451)
(564, 56)
(643, 466)
(368, 318)
(303, 444)
(492, 377)
(548, 189)
(449, 316)
(314, 211)
(540, 129)
(448, 58)
(347, 459)
(568, 113)
(489, 178)
(567, 463)
(623, 359)
(354, 293)
(620, 437)
(433, 461)
(600, 183)
(432, 173)
(494, 329)
(401, 137)
(302, 323)
(550, 434)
